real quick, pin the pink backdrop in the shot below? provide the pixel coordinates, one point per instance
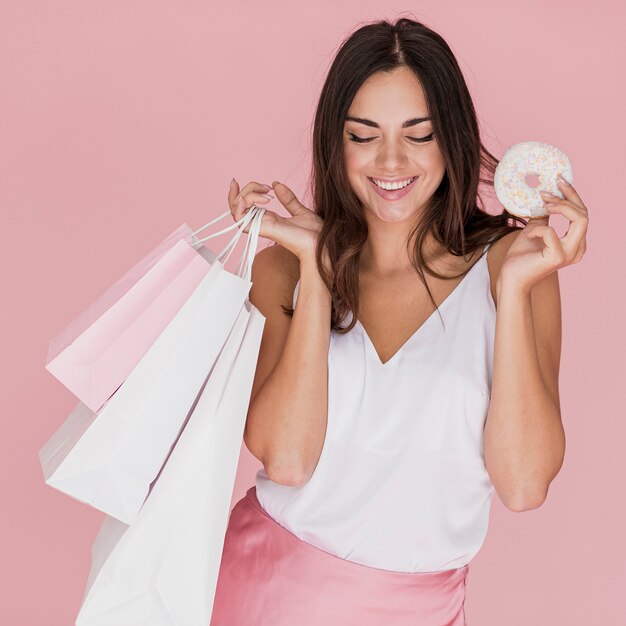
(121, 120)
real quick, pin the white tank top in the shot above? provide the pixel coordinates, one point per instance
(401, 482)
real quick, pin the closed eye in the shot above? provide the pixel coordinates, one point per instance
(356, 139)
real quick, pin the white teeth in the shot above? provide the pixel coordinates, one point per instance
(391, 186)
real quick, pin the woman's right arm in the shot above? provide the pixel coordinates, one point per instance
(287, 415)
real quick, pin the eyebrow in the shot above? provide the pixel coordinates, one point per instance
(412, 122)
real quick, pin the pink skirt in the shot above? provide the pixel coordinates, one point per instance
(270, 577)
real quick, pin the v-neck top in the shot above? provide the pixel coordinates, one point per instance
(401, 482)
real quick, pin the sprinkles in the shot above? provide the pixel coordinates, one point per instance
(526, 159)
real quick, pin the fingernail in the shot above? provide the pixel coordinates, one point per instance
(547, 194)
(268, 196)
(562, 180)
(232, 182)
(274, 182)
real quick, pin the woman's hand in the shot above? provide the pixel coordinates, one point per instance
(538, 251)
(297, 233)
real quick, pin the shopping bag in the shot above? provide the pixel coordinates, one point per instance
(162, 570)
(109, 458)
(98, 349)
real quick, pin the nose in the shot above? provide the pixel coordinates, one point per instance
(391, 157)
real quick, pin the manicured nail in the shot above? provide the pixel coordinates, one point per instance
(547, 194)
(232, 182)
(563, 181)
(268, 196)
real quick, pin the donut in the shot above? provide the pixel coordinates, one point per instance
(524, 159)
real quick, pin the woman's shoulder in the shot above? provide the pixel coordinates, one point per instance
(276, 258)
(496, 254)
(275, 273)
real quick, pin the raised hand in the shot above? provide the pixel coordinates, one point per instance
(297, 233)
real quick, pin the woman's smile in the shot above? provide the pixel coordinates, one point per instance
(393, 194)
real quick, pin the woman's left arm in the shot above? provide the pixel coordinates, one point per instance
(524, 439)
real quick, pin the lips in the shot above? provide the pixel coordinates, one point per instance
(394, 194)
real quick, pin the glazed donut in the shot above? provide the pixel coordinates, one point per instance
(524, 159)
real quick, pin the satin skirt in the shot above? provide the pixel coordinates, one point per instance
(270, 577)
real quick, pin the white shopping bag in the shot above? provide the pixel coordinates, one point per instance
(162, 570)
(109, 459)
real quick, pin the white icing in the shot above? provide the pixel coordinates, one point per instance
(524, 159)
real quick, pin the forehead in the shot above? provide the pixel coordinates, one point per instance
(390, 97)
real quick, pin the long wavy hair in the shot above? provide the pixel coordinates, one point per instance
(455, 212)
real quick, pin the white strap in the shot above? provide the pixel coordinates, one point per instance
(254, 215)
(245, 219)
(253, 240)
(244, 256)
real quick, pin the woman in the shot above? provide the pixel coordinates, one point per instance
(393, 400)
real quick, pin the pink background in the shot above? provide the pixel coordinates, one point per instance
(121, 120)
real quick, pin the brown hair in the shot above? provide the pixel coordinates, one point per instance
(455, 212)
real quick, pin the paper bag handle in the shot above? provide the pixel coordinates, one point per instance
(255, 214)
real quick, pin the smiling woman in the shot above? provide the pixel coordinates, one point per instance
(368, 414)
(397, 162)
(386, 95)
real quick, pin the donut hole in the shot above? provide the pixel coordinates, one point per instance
(532, 180)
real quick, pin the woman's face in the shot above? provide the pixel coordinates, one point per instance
(391, 152)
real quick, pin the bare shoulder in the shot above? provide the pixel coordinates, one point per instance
(496, 255)
(275, 272)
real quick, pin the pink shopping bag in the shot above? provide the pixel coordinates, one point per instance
(95, 353)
